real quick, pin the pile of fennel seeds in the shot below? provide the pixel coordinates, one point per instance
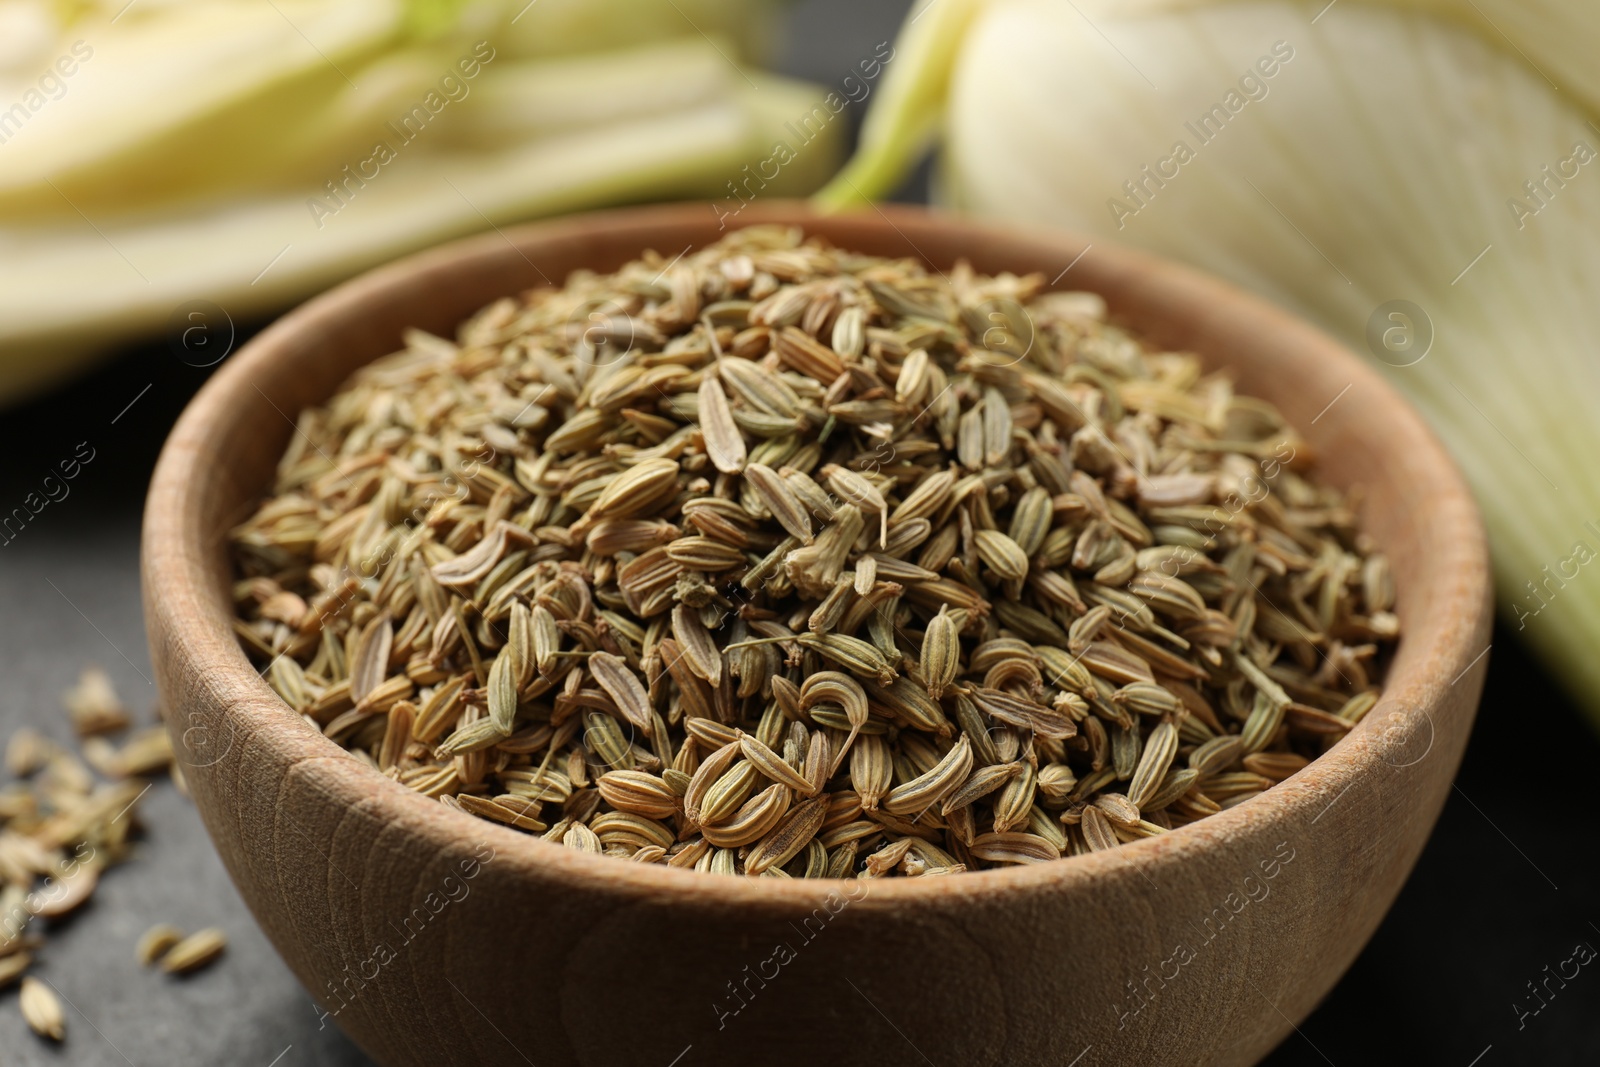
(65, 818)
(783, 560)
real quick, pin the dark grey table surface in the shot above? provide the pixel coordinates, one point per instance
(1508, 884)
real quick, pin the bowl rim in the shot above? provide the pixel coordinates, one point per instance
(176, 573)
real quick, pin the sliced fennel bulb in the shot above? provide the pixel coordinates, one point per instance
(138, 82)
(26, 34)
(1384, 161)
(564, 27)
(187, 147)
(532, 98)
(254, 255)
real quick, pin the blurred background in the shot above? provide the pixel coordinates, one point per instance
(146, 236)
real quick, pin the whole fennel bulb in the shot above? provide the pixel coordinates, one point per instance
(1396, 152)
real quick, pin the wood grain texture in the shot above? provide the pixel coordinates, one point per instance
(1174, 950)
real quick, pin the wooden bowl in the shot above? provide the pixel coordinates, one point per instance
(438, 938)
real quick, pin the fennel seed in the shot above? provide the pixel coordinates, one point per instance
(62, 827)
